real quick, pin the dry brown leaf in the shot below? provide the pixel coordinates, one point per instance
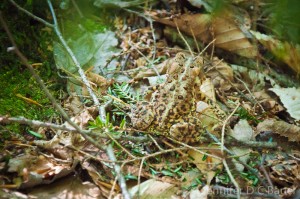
(70, 187)
(285, 171)
(208, 89)
(142, 72)
(230, 37)
(206, 28)
(86, 115)
(209, 166)
(221, 73)
(97, 82)
(155, 189)
(73, 104)
(268, 103)
(38, 169)
(292, 132)
(285, 51)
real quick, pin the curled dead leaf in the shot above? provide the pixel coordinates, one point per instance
(292, 132)
(223, 29)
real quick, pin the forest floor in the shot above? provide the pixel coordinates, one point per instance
(162, 100)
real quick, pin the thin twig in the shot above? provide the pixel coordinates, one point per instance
(238, 190)
(210, 43)
(154, 40)
(195, 39)
(32, 15)
(77, 64)
(224, 125)
(195, 149)
(113, 188)
(184, 40)
(139, 177)
(262, 168)
(77, 8)
(222, 151)
(251, 94)
(253, 171)
(64, 43)
(37, 123)
(117, 168)
(117, 143)
(98, 133)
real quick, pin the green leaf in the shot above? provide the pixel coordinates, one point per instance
(178, 169)
(35, 134)
(84, 48)
(62, 59)
(105, 49)
(122, 125)
(167, 173)
(129, 176)
(153, 172)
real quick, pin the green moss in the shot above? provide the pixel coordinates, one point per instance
(18, 80)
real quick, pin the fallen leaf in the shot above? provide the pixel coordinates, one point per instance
(209, 166)
(38, 169)
(70, 187)
(284, 170)
(284, 51)
(242, 131)
(220, 74)
(268, 103)
(290, 98)
(206, 28)
(292, 132)
(200, 194)
(154, 189)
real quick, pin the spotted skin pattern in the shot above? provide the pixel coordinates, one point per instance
(171, 110)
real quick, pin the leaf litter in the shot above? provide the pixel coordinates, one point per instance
(133, 52)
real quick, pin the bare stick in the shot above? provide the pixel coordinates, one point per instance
(184, 40)
(224, 125)
(77, 64)
(77, 8)
(238, 190)
(139, 177)
(35, 123)
(121, 179)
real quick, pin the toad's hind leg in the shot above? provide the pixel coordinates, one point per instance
(186, 132)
